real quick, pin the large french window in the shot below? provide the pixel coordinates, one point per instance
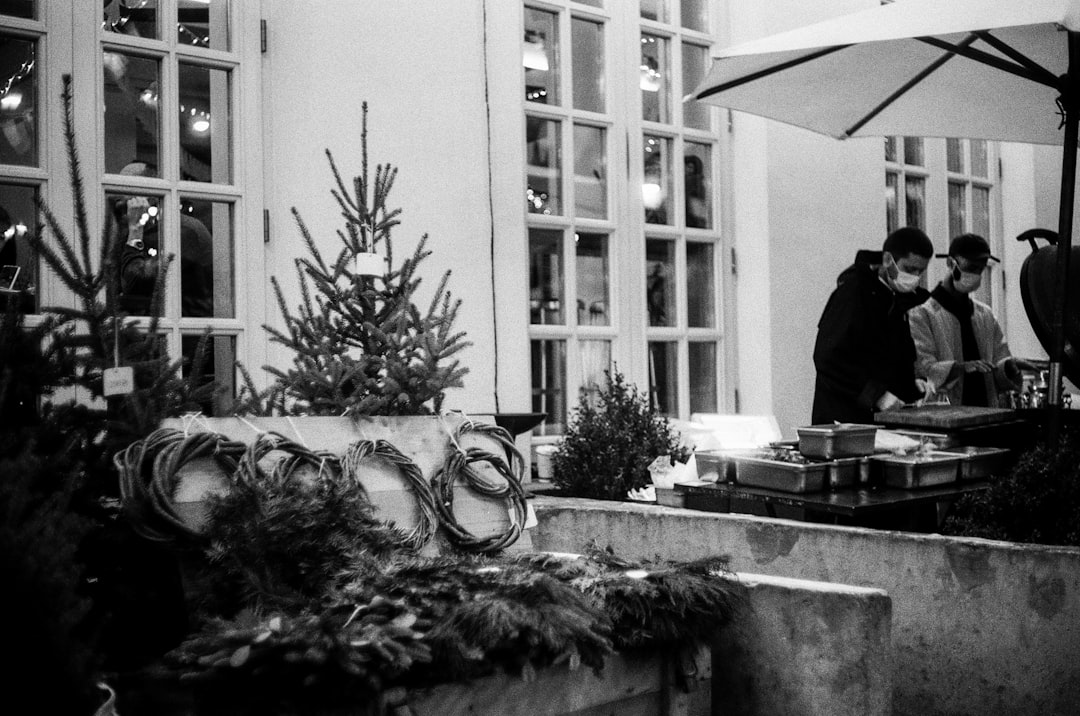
(620, 203)
(945, 187)
(160, 98)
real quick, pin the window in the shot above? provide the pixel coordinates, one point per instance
(968, 171)
(622, 264)
(905, 183)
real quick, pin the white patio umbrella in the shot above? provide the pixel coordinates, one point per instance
(988, 69)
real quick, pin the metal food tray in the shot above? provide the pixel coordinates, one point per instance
(920, 470)
(847, 471)
(980, 463)
(782, 476)
(722, 462)
(838, 440)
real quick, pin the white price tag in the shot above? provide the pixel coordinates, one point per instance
(530, 516)
(118, 381)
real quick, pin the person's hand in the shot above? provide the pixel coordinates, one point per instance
(977, 366)
(1011, 369)
(137, 213)
(926, 387)
(888, 401)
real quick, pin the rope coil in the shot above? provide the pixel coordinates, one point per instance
(427, 525)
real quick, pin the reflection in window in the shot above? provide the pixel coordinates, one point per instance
(540, 55)
(660, 272)
(18, 264)
(137, 18)
(592, 279)
(595, 360)
(203, 23)
(702, 377)
(18, 8)
(980, 210)
(549, 384)
(543, 143)
(654, 10)
(979, 164)
(587, 39)
(132, 125)
(695, 63)
(140, 230)
(892, 218)
(657, 187)
(699, 285)
(890, 149)
(217, 368)
(18, 102)
(957, 208)
(695, 15)
(913, 151)
(204, 124)
(206, 259)
(546, 296)
(663, 390)
(590, 172)
(954, 155)
(915, 201)
(697, 175)
(654, 81)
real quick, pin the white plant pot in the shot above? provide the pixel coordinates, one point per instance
(370, 264)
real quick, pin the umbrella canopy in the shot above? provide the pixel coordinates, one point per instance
(837, 77)
(988, 69)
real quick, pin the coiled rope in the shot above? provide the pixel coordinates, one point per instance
(352, 465)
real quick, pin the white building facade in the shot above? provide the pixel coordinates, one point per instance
(590, 216)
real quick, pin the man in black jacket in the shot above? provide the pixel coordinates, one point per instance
(864, 355)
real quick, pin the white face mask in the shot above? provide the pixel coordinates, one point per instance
(905, 282)
(965, 282)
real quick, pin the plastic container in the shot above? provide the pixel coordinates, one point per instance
(839, 440)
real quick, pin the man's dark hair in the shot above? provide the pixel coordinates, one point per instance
(908, 240)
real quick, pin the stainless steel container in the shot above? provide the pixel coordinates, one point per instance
(980, 463)
(919, 470)
(844, 472)
(782, 476)
(839, 440)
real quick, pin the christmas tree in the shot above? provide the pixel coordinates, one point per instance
(360, 344)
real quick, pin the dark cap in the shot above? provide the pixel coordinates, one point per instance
(970, 246)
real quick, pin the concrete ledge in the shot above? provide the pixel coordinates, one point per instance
(978, 626)
(803, 648)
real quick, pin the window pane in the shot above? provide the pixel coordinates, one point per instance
(978, 158)
(137, 18)
(697, 174)
(18, 8)
(140, 228)
(890, 149)
(203, 23)
(954, 155)
(132, 124)
(592, 279)
(217, 368)
(540, 55)
(595, 359)
(588, 64)
(957, 209)
(695, 62)
(703, 377)
(659, 291)
(700, 285)
(590, 172)
(654, 10)
(593, 3)
(549, 384)
(204, 124)
(546, 295)
(18, 265)
(915, 202)
(980, 211)
(913, 151)
(545, 165)
(18, 102)
(655, 79)
(206, 259)
(663, 388)
(658, 187)
(695, 15)
(892, 220)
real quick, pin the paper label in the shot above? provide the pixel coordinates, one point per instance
(118, 381)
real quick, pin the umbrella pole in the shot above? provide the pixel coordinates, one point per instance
(1070, 102)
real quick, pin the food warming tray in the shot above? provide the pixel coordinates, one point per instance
(980, 463)
(920, 469)
(837, 440)
(780, 475)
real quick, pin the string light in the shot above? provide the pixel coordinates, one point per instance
(22, 73)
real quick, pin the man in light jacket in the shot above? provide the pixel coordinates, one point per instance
(959, 344)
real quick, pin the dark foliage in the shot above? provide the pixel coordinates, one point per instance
(1039, 501)
(611, 440)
